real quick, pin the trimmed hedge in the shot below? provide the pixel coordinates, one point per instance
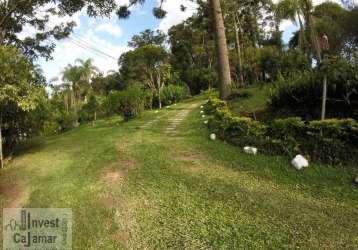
(330, 141)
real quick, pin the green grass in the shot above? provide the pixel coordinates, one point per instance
(184, 191)
(256, 101)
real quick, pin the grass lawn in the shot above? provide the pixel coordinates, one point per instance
(132, 187)
(255, 102)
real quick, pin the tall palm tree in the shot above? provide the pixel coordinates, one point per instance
(87, 69)
(292, 8)
(86, 72)
(293, 11)
(71, 76)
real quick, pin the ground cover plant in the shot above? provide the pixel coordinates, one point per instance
(131, 189)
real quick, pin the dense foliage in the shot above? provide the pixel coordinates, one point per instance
(174, 93)
(128, 103)
(301, 95)
(22, 98)
(331, 141)
(153, 74)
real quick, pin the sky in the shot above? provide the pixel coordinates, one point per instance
(108, 37)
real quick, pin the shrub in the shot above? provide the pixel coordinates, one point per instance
(50, 128)
(174, 93)
(89, 110)
(238, 130)
(68, 121)
(285, 135)
(213, 105)
(239, 94)
(302, 96)
(330, 141)
(128, 103)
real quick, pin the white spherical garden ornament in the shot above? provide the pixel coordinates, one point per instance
(203, 116)
(201, 107)
(213, 137)
(206, 122)
(201, 112)
(299, 162)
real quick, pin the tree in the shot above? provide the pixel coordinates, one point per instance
(90, 109)
(18, 94)
(87, 70)
(221, 50)
(15, 15)
(293, 10)
(193, 52)
(148, 37)
(148, 64)
(223, 63)
(71, 77)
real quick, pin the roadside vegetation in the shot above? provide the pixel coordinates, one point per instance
(129, 188)
(129, 150)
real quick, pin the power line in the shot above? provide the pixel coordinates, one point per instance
(87, 45)
(94, 50)
(82, 38)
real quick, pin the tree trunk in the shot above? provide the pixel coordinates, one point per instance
(221, 50)
(238, 48)
(318, 51)
(301, 36)
(1, 150)
(159, 100)
(324, 97)
(159, 86)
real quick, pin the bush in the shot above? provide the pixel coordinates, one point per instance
(89, 110)
(213, 105)
(240, 131)
(174, 93)
(330, 141)
(128, 103)
(302, 96)
(68, 121)
(285, 135)
(239, 94)
(50, 128)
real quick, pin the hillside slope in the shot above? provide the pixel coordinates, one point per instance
(159, 182)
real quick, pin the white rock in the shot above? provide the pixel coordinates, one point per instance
(168, 107)
(250, 150)
(205, 122)
(356, 180)
(201, 112)
(213, 136)
(299, 162)
(201, 107)
(254, 151)
(203, 116)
